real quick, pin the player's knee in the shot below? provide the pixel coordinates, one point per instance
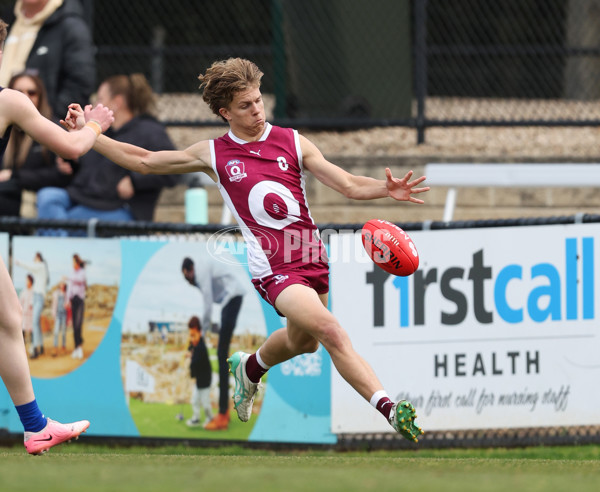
(333, 337)
(310, 346)
(303, 345)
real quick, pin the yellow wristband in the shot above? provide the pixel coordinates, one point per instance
(94, 126)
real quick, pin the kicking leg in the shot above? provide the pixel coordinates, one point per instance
(309, 322)
(309, 318)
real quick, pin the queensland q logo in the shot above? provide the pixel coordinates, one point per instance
(236, 170)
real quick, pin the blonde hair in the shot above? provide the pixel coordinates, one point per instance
(136, 91)
(223, 79)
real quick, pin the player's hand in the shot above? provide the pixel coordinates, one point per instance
(101, 114)
(403, 189)
(75, 118)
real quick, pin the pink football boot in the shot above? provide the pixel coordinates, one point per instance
(54, 433)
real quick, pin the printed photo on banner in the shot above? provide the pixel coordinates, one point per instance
(68, 288)
(186, 311)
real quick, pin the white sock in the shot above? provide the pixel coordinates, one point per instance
(378, 395)
(261, 362)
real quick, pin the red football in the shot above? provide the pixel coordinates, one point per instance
(390, 247)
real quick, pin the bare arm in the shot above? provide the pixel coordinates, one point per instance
(17, 109)
(193, 159)
(358, 187)
(196, 158)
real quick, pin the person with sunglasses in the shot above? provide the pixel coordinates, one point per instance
(27, 164)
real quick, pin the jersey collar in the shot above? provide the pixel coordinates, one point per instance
(263, 137)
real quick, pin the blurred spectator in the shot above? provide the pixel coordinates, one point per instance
(52, 38)
(27, 164)
(101, 189)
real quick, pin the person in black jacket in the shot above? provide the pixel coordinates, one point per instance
(101, 189)
(201, 371)
(27, 164)
(52, 38)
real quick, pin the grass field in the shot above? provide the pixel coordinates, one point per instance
(158, 420)
(86, 467)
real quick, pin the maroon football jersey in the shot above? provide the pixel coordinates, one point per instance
(263, 184)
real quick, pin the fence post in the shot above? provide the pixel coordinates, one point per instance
(279, 60)
(420, 66)
(92, 224)
(159, 33)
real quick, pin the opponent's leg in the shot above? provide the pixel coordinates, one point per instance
(14, 368)
(40, 433)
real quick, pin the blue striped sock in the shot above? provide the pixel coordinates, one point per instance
(31, 417)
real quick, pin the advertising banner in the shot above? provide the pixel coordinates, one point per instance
(121, 354)
(498, 328)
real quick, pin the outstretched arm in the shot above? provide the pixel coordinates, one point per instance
(359, 187)
(193, 159)
(16, 108)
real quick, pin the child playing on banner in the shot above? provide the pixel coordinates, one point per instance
(201, 372)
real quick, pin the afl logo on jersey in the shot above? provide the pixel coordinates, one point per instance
(235, 170)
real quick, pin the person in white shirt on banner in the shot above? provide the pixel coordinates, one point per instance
(217, 285)
(41, 279)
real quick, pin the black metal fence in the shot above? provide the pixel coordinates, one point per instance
(17, 226)
(359, 63)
